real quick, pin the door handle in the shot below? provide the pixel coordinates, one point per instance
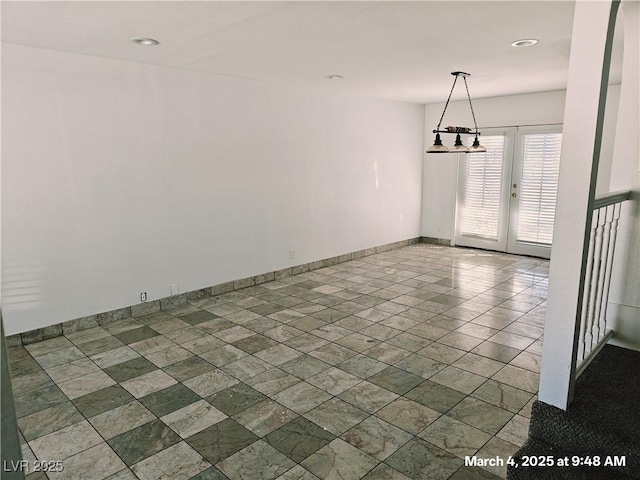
(515, 185)
(514, 194)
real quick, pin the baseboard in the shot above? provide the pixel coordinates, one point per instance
(436, 241)
(105, 318)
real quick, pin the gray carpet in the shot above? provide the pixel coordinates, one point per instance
(602, 421)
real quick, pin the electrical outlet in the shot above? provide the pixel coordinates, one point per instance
(292, 254)
(174, 289)
(143, 297)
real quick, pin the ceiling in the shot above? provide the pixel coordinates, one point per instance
(390, 49)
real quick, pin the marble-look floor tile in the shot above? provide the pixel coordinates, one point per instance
(114, 357)
(259, 461)
(193, 418)
(396, 380)
(478, 364)
(442, 353)
(80, 386)
(235, 399)
(103, 400)
(142, 442)
(279, 354)
(223, 355)
(59, 357)
(233, 334)
(246, 367)
(420, 459)
(305, 366)
(195, 318)
(339, 461)
(368, 397)
(203, 344)
(511, 340)
(306, 343)
(336, 416)
(210, 382)
(185, 335)
(169, 399)
(31, 382)
(502, 395)
(358, 342)
(332, 353)
(334, 381)
(273, 381)
(254, 343)
(100, 461)
(72, 370)
(48, 346)
(49, 420)
(189, 368)
(178, 462)
(302, 397)
(387, 353)
(454, 436)
(65, 442)
(385, 472)
(221, 440)
(298, 473)
(408, 415)
(516, 431)
(87, 335)
(497, 447)
(435, 396)
(518, 378)
(362, 366)
(169, 325)
(151, 345)
(169, 356)
(495, 351)
(136, 335)
(457, 379)
(419, 365)
(376, 437)
(121, 419)
(100, 345)
(299, 438)
(148, 383)
(528, 361)
(264, 417)
(481, 415)
(130, 369)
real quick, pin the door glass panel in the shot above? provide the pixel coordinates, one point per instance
(482, 190)
(538, 187)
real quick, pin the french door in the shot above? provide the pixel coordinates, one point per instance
(507, 195)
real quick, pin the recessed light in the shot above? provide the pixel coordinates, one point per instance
(527, 42)
(147, 42)
(334, 77)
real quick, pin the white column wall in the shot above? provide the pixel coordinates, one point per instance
(120, 178)
(624, 307)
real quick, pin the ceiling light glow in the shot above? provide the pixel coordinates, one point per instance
(147, 42)
(526, 42)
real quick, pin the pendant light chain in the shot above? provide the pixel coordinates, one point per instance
(447, 104)
(475, 124)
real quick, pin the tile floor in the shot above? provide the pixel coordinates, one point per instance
(394, 366)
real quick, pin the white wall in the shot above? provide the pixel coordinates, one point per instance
(120, 178)
(624, 306)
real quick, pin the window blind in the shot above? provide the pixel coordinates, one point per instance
(481, 208)
(538, 189)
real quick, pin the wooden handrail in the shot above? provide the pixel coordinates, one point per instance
(611, 198)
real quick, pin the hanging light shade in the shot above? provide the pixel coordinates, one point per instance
(458, 147)
(476, 147)
(437, 146)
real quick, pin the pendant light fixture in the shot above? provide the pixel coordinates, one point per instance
(458, 146)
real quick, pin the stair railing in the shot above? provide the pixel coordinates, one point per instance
(594, 333)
